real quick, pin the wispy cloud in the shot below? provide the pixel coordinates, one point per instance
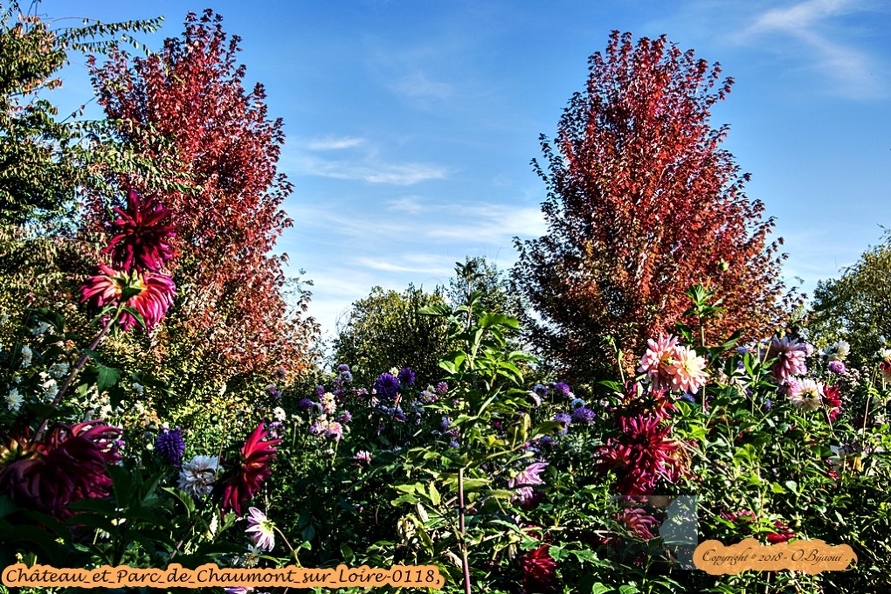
(431, 267)
(406, 204)
(370, 170)
(813, 23)
(418, 85)
(491, 224)
(331, 143)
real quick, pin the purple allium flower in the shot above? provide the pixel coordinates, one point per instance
(576, 403)
(343, 367)
(541, 390)
(170, 445)
(346, 377)
(304, 404)
(562, 389)
(442, 388)
(320, 391)
(406, 376)
(276, 426)
(563, 418)
(583, 415)
(428, 396)
(386, 386)
(345, 417)
(546, 441)
(445, 424)
(273, 391)
(837, 367)
(399, 416)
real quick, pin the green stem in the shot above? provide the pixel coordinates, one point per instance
(464, 562)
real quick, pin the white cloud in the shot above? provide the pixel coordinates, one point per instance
(407, 204)
(331, 143)
(371, 171)
(811, 24)
(491, 224)
(418, 86)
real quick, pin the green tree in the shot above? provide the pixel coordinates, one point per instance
(855, 307)
(386, 329)
(477, 274)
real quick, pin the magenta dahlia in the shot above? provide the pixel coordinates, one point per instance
(66, 465)
(142, 239)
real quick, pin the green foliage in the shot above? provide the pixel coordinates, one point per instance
(854, 308)
(386, 329)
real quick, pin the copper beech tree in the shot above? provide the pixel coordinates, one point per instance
(187, 102)
(643, 203)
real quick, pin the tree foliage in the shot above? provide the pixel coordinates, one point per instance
(477, 274)
(386, 329)
(854, 308)
(643, 203)
(188, 103)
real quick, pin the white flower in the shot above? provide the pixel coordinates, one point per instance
(806, 394)
(261, 529)
(57, 370)
(137, 388)
(198, 475)
(279, 414)
(40, 328)
(14, 400)
(328, 403)
(50, 388)
(27, 353)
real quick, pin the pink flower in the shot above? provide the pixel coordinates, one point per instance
(151, 294)
(687, 370)
(142, 241)
(524, 480)
(656, 362)
(638, 522)
(261, 529)
(790, 358)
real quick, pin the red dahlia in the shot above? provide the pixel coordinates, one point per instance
(539, 571)
(244, 481)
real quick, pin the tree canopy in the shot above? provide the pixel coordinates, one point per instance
(643, 203)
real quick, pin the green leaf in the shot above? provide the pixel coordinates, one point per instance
(435, 498)
(106, 376)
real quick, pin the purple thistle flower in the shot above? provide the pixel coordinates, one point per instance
(583, 415)
(304, 404)
(170, 445)
(837, 367)
(273, 391)
(345, 417)
(442, 388)
(406, 376)
(386, 386)
(343, 367)
(320, 391)
(562, 389)
(541, 390)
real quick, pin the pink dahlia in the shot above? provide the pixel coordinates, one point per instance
(255, 466)
(142, 239)
(149, 293)
(524, 480)
(687, 370)
(67, 465)
(261, 529)
(639, 522)
(833, 401)
(657, 361)
(790, 355)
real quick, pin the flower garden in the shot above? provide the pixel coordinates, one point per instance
(497, 471)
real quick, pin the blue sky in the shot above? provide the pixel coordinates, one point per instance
(411, 124)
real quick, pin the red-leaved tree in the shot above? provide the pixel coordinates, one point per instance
(187, 103)
(642, 204)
